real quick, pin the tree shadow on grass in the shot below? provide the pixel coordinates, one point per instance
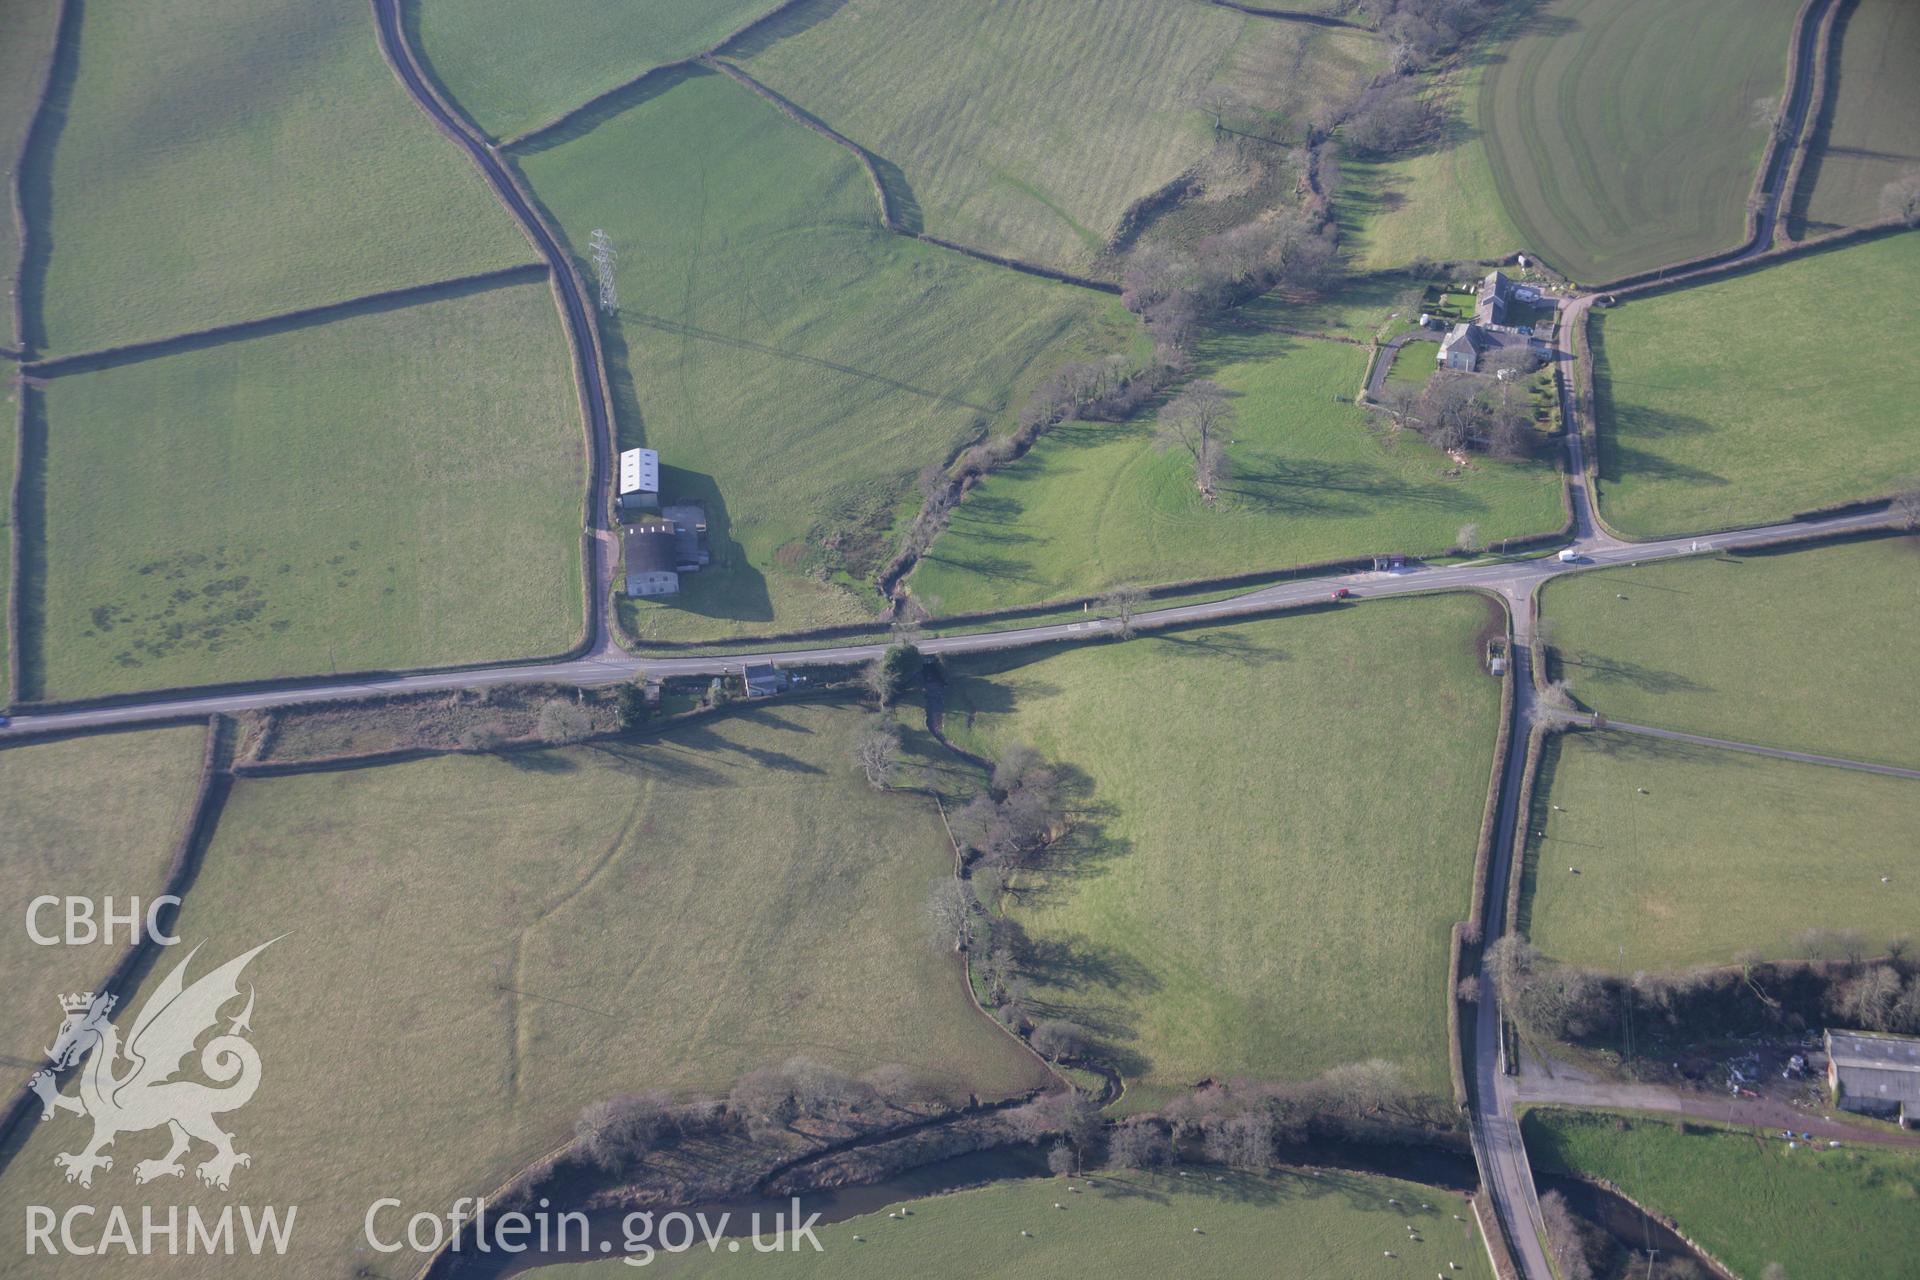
(1606, 670)
(1272, 485)
(1229, 645)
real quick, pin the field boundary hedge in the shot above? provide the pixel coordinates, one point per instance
(807, 120)
(1819, 119)
(385, 300)
(605, 97)
(1523, 806)
(63, 30)
(1290, 15)
(210, 795)
(15, 560)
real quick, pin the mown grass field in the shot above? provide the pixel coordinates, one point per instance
(795, 364)
(1036, 124)
(1876, 116)
(237, 159)
(1748, 1200)
(90, 817)
(1276, 834)
(571, 52)
(1440, 202)
(397, 489)
(1726, 852)
(663, 914)
(1746, 400)
(29, 25)
(1804, 649)
(1290, 1226)
(1616, 143)
(1314, 479)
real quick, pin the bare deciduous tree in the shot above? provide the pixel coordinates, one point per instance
(1121, 603)
(950, 913)
(1138, 1144)
(563, 720)
(877, 752)
(1197, 421)
(1468, 539)
(1056, 1038)
(1900, 199)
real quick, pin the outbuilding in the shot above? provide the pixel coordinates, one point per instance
(651, 564)
(639, 480)
(1875, 1074)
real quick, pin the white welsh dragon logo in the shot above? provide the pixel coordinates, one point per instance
(145, 1095)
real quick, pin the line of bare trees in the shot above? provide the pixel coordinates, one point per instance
(1837, 981)
(1176, 291)
(621, 1132)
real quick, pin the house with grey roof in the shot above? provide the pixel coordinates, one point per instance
(1491, 306)
(1460, 349)
(1875, 1073)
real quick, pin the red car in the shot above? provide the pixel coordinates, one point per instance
(1342, 593)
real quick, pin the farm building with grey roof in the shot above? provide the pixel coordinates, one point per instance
(1875, 1073)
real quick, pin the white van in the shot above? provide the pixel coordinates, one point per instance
(1569, 556)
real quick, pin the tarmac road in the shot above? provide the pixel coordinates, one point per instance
(1512, 578)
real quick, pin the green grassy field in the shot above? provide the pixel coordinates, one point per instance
(241, 159)
(1804, 649)
(1726, 852)
(1040, 121)
(795, 364)
(90, 817)
(1095, 504)
(1876, 116)
(574, 51)
(401, 488)
(1616, 146)
(1440, 202)
(1273, 909)
(664, 914)
(1743, 401)
(1748, 1200)
(1288, 1226)
(29, 26)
